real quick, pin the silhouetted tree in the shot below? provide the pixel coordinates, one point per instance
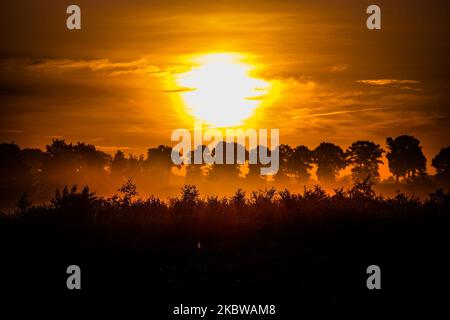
(301, 161)
(159, 164)
(226, 171)
(89, 158)
(441, 162)
(129, 191)
(71, 164)
(330, 159)
(59, 163)
(119, 164)
(295, 162)
(59, 149)
(33, 159)
(365, 157)
(15, 175)
(12, 169)
(194, 171)
(133, 166)
(254, 177)
(189, 194)
(405, 156)
(286, 161)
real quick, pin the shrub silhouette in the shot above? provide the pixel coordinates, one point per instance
(264, 237)
(129, 191)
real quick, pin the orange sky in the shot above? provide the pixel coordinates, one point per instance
(339, 82)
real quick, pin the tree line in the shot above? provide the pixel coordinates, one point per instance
(39, 173)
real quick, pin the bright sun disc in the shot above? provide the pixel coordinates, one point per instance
(220, 91)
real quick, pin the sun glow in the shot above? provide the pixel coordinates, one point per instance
(221, 91)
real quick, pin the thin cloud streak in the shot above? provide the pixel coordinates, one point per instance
(342, 112)
(382, 82)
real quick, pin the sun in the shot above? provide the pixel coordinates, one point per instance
(220, 91)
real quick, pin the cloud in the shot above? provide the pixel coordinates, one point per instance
(56, 136)
(343, 112)
(338, 68)
(103, 66)
(136, 129)
(382, 82)
(178, 90)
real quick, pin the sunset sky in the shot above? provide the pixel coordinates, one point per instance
(112, 83)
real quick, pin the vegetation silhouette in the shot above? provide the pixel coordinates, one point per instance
(38, 173)
(329, 158)
(267, 238)
(441, 162)
(294, 163)
(405, 156)
(365, 156)
(264, 244)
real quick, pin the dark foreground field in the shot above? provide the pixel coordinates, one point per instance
(295, 251)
